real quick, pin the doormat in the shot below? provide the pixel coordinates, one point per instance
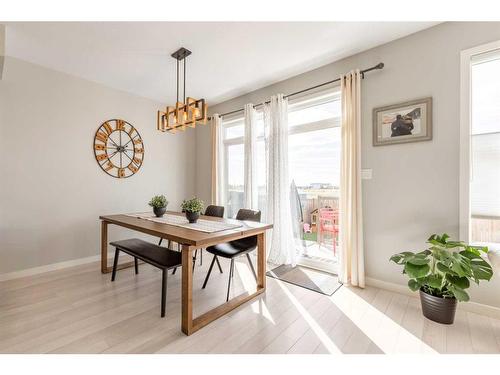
(317, 281)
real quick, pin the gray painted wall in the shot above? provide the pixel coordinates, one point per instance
(52, 191)
(2, 48)
(414, 190)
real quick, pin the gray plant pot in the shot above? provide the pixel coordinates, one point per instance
(192, 216)
(440, 310)
(159, 211)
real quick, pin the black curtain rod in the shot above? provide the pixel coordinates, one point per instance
(376, 67)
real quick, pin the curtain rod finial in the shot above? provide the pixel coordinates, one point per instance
(380, 66)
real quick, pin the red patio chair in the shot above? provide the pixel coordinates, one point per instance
(329, 223)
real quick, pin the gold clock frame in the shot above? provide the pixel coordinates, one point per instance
(111, 139)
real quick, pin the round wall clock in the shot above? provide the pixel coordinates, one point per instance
(118, 148)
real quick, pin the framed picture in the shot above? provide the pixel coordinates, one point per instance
(404, 122)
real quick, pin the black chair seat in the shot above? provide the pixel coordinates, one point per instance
(230, 249)
(149, 252)
(235, 248)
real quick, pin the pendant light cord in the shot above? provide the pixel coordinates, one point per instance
(177, 81)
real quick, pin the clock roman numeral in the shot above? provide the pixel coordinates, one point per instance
(101, 157)
(132, 168)
(107, 128)
(121, 172)
(102, 136)
(120, 125)
(100, 147)
(109, 166)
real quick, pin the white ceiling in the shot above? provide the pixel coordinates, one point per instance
(229, 59)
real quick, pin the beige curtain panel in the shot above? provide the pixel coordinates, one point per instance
(352, 266)
(217, 161)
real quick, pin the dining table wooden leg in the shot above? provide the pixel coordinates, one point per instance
(261, 260)
(187, 289)
(190, 325)
(104, 246)
(104, 251)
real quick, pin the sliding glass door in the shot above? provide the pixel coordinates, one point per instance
(314, 162)
(314, 170)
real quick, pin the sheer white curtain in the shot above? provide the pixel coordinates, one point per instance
(352, 266)
(217, 161)
(250, 163)
(281, 245)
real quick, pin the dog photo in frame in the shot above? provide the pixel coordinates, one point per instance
(409, 121)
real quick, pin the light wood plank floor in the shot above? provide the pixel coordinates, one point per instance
(78, 310)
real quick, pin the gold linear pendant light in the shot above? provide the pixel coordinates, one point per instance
(190, 111)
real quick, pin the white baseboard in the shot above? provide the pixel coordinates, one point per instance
(474, 307)
(48, 267)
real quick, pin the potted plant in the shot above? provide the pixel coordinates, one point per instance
(442, 273)
(192, 208)
(159, 204)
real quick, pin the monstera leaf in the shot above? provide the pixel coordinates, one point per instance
(416, 271)
(446, 268)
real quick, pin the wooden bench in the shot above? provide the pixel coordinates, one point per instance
(155, 255)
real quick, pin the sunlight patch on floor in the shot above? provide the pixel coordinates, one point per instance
(320, 333)
(389, 336)
(242, 269)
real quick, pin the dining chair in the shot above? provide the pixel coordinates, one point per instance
(328, 223)
(231, 250)
(214, 211)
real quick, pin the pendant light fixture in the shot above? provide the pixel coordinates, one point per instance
(190, 111)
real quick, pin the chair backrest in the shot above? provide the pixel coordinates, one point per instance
(213, 210)
(246, 214)
(328, 201)
(326, 213)
(330, 215)
(250, 215)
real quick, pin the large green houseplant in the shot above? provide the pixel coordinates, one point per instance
(442, 273)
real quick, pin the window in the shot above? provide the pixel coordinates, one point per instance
(234, 163)
(314, 170)
(485, 148)
(480, 145)
(314, 151)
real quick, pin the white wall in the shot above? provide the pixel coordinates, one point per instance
(414, 190)
(51, 189)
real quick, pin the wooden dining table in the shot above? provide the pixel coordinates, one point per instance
(189, 241)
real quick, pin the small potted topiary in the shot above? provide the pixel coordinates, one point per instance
(442, 273)
(159, 204)
(192, 208)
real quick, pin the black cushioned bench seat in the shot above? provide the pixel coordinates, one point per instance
(150, 253)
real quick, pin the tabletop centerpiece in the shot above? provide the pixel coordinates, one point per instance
(159, 204)
(192, 207)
